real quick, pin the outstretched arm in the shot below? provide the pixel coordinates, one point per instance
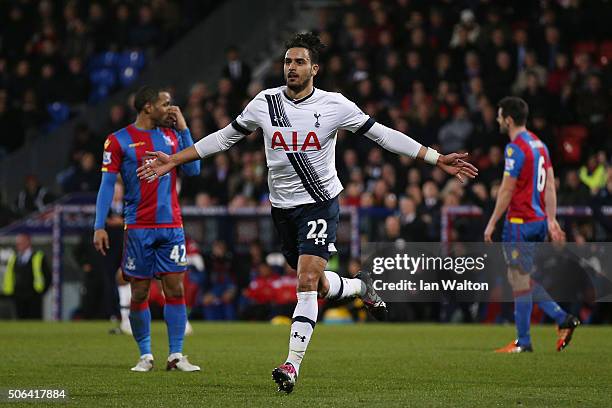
(399, 143)
(215, 142)
(185, 142)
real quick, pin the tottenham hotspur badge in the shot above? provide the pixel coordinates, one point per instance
(317, 116)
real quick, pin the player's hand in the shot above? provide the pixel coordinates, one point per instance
(100, 241)
(156, 164)
(556, 233)
(488, 233)
(174, 112)
(455, 165)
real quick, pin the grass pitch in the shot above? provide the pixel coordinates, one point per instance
(356, 365)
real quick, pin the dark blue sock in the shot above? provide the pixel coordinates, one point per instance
(522, 317)
(175, 315)
(140, 321)
(547, 304)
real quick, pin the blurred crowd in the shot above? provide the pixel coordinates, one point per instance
(57, 56)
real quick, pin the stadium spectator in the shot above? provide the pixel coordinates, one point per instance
(122, 26)
(78, 42)
(592, 108)
(467, 27)
(593, 173)
(285, 297)
(26, 279)
(429, 209)
(573, 191)
(493, 166)
(552, 48)
(236, 70)
(49, 87)
(117, 118)
(604, 198)
(486, 133)
(412, 227)
(247, 264)
(249, 184)
(558, 75)
(541, 127)
(83, 142)
(145, 33)
(98, 26)
(393, 229)
(534, 94)
(216, 179)
(529, 66)
(260, 294)
(86, 177)
(218, 301)
(454, 135)
(75, 87)
(33, 197)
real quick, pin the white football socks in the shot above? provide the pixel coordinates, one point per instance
(125, 297)
(340, 288)
(304, 320)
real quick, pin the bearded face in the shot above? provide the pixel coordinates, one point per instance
(299, 69)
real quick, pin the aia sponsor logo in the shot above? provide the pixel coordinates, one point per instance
(294, 143)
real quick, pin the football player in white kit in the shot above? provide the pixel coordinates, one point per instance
(299, 124)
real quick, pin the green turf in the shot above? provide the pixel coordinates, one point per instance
(358, 365)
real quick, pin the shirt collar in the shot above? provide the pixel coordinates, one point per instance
(296, 101)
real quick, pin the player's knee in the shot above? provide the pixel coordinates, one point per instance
(176, 292)
(308, 281)
(140, 295)
(173, 286)
(519, 280)
(310, 270)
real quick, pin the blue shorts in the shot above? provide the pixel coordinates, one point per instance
(308, 229)
(150, 252)
(519, 242)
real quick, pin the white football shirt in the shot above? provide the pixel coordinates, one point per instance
(300, 141)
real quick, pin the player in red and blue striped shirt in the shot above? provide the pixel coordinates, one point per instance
(155, 241)
(528, 194)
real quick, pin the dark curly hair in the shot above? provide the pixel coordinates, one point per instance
(516, 108)
(146, 94)
(310, 41)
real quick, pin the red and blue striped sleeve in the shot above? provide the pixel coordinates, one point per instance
(514, 160)
(112, 155)
(185, 140)
(104, 199)
(111, 165)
